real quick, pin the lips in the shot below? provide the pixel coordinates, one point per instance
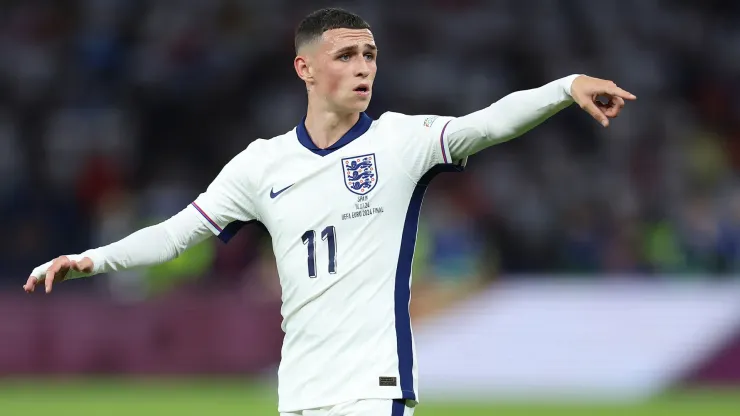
(362, 88)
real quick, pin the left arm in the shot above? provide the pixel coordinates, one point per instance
(521, 111)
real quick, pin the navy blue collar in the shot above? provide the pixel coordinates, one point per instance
(362, 125)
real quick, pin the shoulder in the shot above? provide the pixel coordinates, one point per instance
(261, 148)
(251, 161)
(393, 118)
(411, 122)
(245, 159)
(260, 151)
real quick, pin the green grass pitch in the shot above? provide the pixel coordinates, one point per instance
(223, 397)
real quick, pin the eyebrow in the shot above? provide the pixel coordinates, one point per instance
(353, 48)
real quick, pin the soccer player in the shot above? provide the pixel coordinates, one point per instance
(340, 195)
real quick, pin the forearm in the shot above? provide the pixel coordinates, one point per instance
(507, 118)
(149, 246)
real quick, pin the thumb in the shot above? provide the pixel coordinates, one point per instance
(39, 273)
(590, 107)
(85, 265)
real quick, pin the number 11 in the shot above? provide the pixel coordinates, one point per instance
(309, 238)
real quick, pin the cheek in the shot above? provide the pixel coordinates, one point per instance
(335, 81)
(332, 80)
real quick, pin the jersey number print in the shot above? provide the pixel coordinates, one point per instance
(330, 236)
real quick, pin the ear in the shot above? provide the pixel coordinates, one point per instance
(303, 68)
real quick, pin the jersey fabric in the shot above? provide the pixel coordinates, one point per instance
(343, 222)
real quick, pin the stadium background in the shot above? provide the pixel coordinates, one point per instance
(576, 269)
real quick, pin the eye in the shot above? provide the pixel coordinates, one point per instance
(344, 57)
(369, 56)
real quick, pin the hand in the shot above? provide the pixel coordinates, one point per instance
(56, 271)
(586, 91)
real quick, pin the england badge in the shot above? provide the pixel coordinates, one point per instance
(360, 173)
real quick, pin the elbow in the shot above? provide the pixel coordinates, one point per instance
(175, 248)
(504, 133)
(175, 253)
(499, 135)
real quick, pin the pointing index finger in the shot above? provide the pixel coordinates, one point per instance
(618, 92)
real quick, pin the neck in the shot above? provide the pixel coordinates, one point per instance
(327, 127)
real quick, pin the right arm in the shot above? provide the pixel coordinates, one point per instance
(225, 206)
(147, 247)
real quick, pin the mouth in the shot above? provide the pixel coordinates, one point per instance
(362, 90)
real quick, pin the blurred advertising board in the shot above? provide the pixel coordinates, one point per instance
(559, 338)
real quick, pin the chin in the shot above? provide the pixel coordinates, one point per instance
(353, 106)
(361, 106)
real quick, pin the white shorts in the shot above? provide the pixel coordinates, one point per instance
(365, 407)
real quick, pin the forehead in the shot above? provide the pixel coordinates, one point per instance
(341, 38)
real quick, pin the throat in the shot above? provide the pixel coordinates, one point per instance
(328, 129)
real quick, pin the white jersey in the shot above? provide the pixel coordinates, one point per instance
(343, 222)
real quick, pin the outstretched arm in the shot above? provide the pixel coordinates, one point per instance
(223, 208)
(149, 246)
(521, 111)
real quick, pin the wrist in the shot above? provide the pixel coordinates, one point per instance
(94, 257)
(567, 84)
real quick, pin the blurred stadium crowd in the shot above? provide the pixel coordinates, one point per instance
(115, 114)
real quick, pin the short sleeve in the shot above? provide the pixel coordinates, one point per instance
(228, 202)
(422, 144)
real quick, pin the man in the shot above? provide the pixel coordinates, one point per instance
(340, 195)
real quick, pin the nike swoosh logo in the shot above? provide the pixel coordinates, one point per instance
(274, 194)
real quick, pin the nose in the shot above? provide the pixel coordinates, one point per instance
(362, 69)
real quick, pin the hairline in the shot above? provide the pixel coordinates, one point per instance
(318, 38)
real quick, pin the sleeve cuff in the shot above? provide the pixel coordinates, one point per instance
(567, 84)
